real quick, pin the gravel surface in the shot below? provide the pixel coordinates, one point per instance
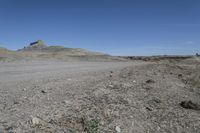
(99, 97)
(44, 89)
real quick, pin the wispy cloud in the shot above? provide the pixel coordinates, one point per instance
(190, 42)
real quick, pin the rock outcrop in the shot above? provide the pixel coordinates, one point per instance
(38, 45)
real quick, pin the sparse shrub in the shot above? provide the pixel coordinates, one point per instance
(2, 59)
(92, 126)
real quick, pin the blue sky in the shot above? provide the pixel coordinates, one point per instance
(117, 27)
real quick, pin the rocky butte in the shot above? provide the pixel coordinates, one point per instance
(37, 45)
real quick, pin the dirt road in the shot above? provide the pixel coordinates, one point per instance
(38, 88)
(38, 70)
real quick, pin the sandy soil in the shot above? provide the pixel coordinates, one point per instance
(100, 97)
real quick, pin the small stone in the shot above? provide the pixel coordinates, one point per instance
(16, 102)
(35, 121)
(180, 76)
(117, 128)
(107, 112)
(150, 81)
(148, 88)
(52, 122)
(43, 91)
(111, 86)
(9, 129)
(123, 76)
(148, 108)
(67, 102)
(134, 81)
(157, 100)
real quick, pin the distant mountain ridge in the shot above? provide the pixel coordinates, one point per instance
(40, 46)
(38, 50)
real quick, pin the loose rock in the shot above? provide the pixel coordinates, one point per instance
(150, 81)
(190, 105)
(180, 76)
(43, 91)
(111, 86)
(35, 121)
(117, 128)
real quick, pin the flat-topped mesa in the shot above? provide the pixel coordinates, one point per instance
(37, 45)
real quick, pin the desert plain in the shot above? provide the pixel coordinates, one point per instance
(105, 94)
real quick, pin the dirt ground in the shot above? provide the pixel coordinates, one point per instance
(100, 97)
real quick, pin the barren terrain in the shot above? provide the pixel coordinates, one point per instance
(159, 96)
